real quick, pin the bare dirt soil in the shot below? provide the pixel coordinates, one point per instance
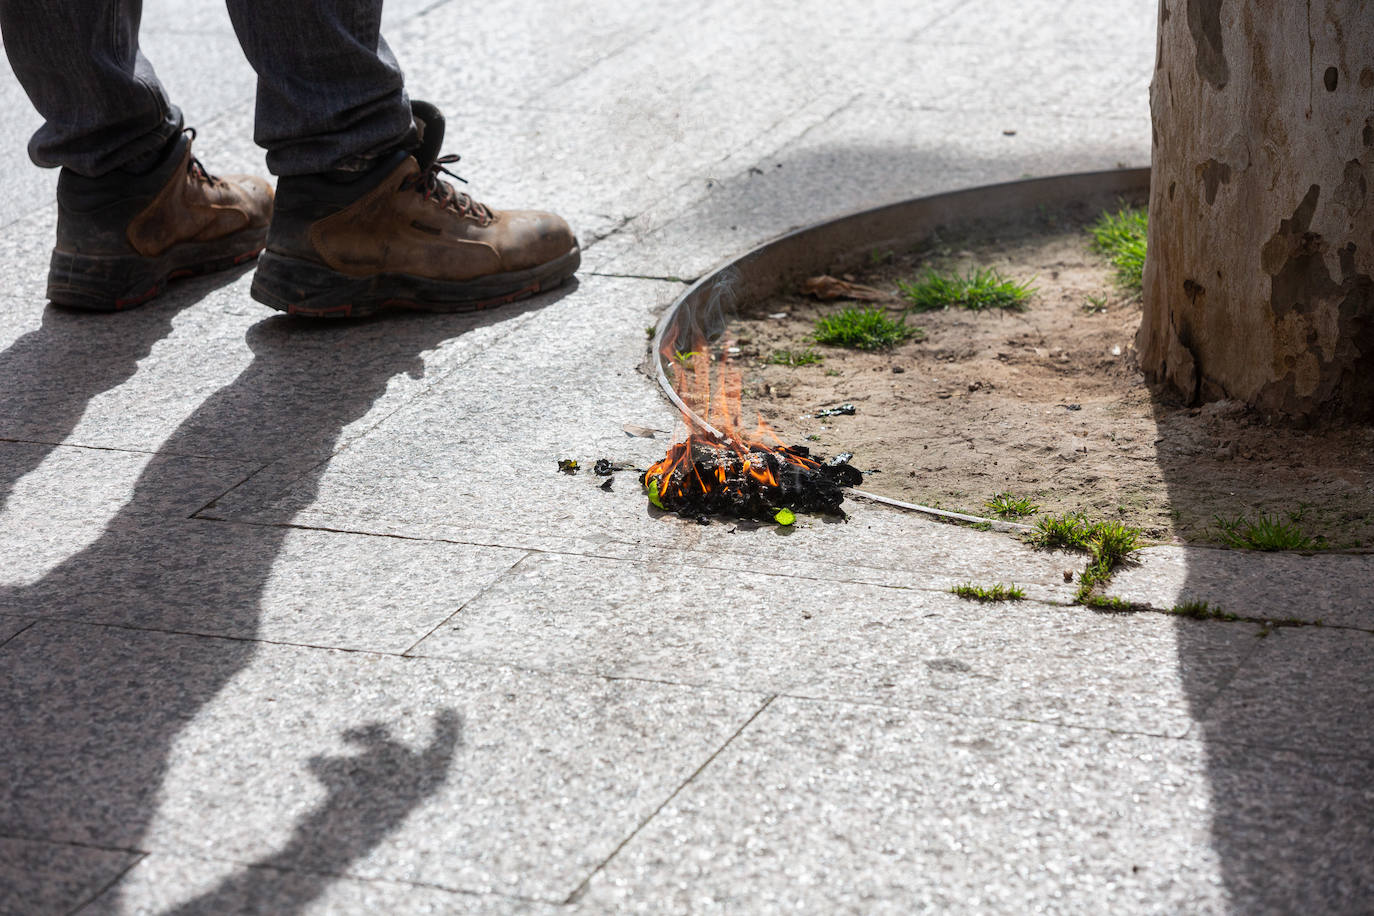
(1046, 403)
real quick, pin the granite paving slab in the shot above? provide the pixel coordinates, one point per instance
(162, 884)
(475, 778)
(1332, 588)
(1305, 689)
(829, 808)
(38, 878)
(870, 152)
(22, 187)
(316, 588)
(824, 639)
(541, 45)
(57, 501)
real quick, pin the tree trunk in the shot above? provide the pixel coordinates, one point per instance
(1261, 246)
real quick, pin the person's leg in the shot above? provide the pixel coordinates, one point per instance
(101, 102)
(330, 94)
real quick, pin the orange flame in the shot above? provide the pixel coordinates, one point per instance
(711, 387)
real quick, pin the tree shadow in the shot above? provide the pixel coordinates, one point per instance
(1288, 738)
(92, 714)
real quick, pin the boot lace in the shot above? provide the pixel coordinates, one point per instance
(195, 168)
(434, 188)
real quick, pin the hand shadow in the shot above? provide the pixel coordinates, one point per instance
(367, 796)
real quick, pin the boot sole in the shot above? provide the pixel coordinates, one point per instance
(114, 283)
(305, 288)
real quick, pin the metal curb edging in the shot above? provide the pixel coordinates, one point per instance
(774, 265)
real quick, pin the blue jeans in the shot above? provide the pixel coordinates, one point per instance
(330, 94)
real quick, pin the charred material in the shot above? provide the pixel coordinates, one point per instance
(750, 482)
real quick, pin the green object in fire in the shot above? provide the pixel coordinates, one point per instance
(784, 516)
(652, 487)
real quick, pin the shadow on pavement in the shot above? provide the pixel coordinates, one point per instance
(51, 374)
(91, 714)
(1289, 738)
(369, 795)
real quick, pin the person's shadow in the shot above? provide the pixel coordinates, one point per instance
(91, 715)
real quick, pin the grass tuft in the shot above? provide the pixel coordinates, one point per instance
(1107, 543)
(1200, 610)
(1110, 542)
(998, 592)
(1067, 532)
(1005, 505)
(976, 290)
(1265, 534)
(1095, 304)
(805, 357)
(864, 329)
(1121, 237)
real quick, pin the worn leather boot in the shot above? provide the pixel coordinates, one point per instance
(123, 236)
(400, 237)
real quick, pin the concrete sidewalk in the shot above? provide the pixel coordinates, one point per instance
(302, 618)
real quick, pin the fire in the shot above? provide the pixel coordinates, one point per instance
(721, 469)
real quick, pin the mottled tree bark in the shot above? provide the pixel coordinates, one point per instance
(1261, 249)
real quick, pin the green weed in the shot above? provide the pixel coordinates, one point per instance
(864, 329)
(1068, 532)
(998, 592)
(1095, 304)
(1200, 610)
(1107, 543)
(805, 357)
(1005, 505)
(1121, 237)
(976, 290)
(1265, 534)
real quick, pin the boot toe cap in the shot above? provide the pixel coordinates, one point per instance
(534, 237)
(255, 197)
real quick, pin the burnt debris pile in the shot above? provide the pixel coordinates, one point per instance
(698, 479)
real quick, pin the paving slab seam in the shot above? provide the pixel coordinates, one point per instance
(939, 18)
(689, 562)
(464, 606)
(690, 191)
(1266, 624)
(1270, 623)
(362, 879)
(1186, 737)
(1308, 752)
(494, 664)
(1198, 711)
(126, 451)
(79, 844)
(581, 889)
(196, 513)
(723, 687)
(508, 545)
(101, 890)
(31, 621)
(686, 281)
(592, 240)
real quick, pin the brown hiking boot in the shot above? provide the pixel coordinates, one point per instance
(400, 237)
(123, 236)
